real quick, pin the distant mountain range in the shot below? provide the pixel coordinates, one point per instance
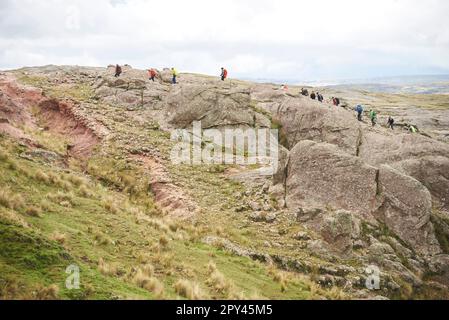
(421, 84)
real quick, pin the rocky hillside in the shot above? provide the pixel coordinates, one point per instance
(87, 180)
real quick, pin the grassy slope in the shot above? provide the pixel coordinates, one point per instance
(108, 216)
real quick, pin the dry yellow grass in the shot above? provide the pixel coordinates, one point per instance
(47, 293)
(107, 268)
(11, 200)
(58, 237)
(189, 290)
(33, 211)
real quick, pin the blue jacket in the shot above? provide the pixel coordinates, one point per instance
(359, 109)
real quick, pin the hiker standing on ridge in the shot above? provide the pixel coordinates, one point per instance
(152, 73)
(373, 117)
(174, 73)
(359, 110)
(390, 123)
(224, 74)
(118, 71)
(320, 97)
(305, 92)
(313, 96)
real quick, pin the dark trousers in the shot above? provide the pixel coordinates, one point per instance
(174, 80)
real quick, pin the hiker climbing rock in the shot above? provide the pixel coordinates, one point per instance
(390, 123)
(313, 96)
(152, 73)
(413, 129)
(118, 71)
(335, 101)
(174, 73)
(359, 110)
(224, 74)
(373, 117)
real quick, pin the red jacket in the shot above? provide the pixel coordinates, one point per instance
(152, 73)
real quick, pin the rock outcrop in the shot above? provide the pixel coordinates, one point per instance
(319, 174)
(214, 107)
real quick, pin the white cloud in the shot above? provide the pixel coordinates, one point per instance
(281, 39)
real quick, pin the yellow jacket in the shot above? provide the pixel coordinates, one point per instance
(174, 72)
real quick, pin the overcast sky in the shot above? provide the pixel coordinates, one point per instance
(269, 39)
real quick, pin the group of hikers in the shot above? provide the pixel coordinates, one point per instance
(318, 96)
(153, 74)
(313, 95)
(373, 117)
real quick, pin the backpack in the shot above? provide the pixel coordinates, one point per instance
(225, 73)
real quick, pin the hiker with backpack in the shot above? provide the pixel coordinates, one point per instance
(390, 123)
(118, 71)
(152, 73)
(304, 92)
(224, 74)
(313, 96)
(174, 73)
(373, 117)
(320, 97)
(359, 110)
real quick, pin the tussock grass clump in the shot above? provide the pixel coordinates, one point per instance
(10, 200)
(13, 217)
(102, 239)
(221, 285)
(110, 205)
(33, 211)
(45, 205)
(42, 177)
(58, 237)
(144, 278)
(75, 180)
(279, 277)
(63, 199)
(189, 290)
(47, 293)
(164, 242)
(4, 157)
(84, 191)
(107, 269)
(158, 225)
